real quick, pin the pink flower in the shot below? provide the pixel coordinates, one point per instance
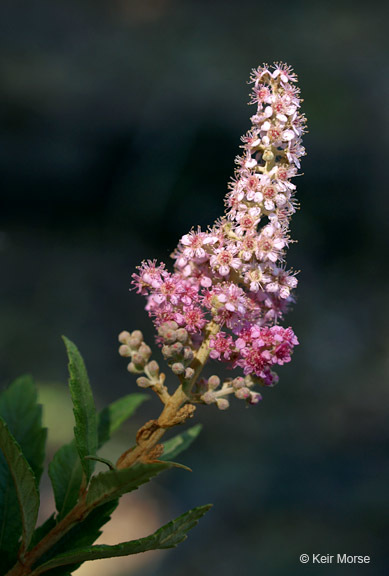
(222, 346)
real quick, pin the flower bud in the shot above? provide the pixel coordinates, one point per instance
(138, 335)
(268, 156)
(177, 348)
(167, 351)
(132, 368)
(143, 382)
(222, 403)
(208, 397)
(213, 382)
(239, 382)
(182, 335)
(123, 337)
(145, 351)
(188, 354)
(189, 373)
(139, 360)
(153, 368)
(170, 336)
(124, 351)
(178, 368)
(133, 343)
(243, 393)
(255, 398)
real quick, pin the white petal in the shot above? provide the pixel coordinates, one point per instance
(268, 112)
(288, 135)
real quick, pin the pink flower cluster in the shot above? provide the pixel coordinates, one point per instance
(234, 273)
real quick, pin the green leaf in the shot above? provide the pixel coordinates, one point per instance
(84, 409)
(181, 442)
(65, 469)
(65, 473)
(168, 536)
(24, 481)
(113, 416)
(19, 408)
(109, 485)
(82, 535)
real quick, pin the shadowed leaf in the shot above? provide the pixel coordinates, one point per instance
(19, 409)
(181, 442)
(168, 536)
(24, 481)
(113, 416)
(85, 430)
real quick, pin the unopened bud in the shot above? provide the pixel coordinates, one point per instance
(132, 368)
(153, 368)
(189, 373)
(167, 351)
(239, 382)
(213, 382)
(133, 343)
(255, 398)
(145, 351)
(137, 334)
(135, 339)
(268, 156)
(208, 397)
(123, 337)
(182, 335)
(143, 382)
(188, 354)
(170, 336)
(177, 348)
(222, 403)
(124, 351)
(139, 360)
(178, 368)
(243, 393)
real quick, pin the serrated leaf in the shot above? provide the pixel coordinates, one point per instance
(168, 536)
(65, 473)
(113, 416)
(181, 442)
(19, 408)
(65, 469)
(82, 535)
(85, 430)
(109, 485)
(24, 481)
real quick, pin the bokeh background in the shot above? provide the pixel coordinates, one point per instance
(119, 124)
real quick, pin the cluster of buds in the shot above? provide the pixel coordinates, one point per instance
(134, 347)
(233, 276)
(210, 391)
(177, 349)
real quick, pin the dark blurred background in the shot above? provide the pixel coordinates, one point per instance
(120, 122)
